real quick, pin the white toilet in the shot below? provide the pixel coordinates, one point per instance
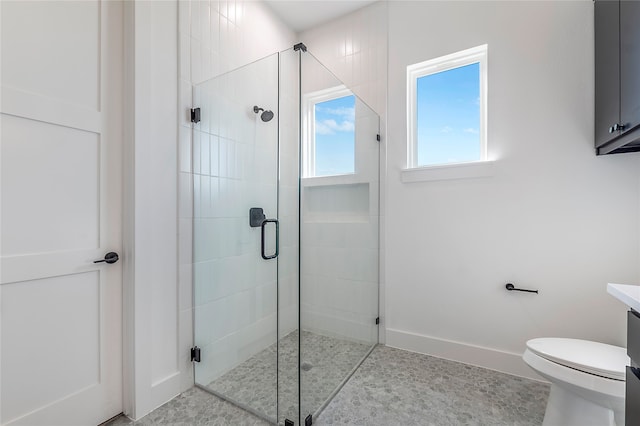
(587, 380)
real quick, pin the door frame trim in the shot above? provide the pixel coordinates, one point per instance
(144, 388)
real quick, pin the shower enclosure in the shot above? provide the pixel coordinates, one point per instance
(285, 231)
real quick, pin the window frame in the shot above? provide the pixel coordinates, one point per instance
(309, 146)
(475, 55)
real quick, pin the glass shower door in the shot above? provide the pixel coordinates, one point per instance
(235, 232)
(339, 217)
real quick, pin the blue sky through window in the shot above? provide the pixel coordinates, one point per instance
(335, 136)
(448, 116)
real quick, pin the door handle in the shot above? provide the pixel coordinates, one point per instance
(110, 257)
(262, 237)
(617, 127)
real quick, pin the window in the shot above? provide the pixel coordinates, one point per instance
(329, 147)
(447, 109)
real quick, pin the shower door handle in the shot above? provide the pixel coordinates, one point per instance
(262, 247)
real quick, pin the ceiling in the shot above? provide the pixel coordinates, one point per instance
(301, 15)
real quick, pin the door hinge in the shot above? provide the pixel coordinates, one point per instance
(195, 354)
(299, 46)
(378, 321)
(195, 115)
(378, 137)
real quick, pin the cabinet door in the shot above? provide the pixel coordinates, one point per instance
(607, 64)
(629, 64)
(632, 396)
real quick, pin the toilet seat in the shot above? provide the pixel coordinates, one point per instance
(587, 387)
(594, 358)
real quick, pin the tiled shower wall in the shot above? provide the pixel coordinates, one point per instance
(339, 234)
(339, 240)
(235, 158)
(354, 48)
(215, 37)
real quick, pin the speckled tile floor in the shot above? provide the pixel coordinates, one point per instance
(327, 362)
(396, 387)
(194, 407)
(392, 387)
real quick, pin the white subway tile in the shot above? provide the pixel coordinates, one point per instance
(185, 241)
(215, 30)
(207, 64)
(215, 197)
(205, 22)
(196, 27)
(205, 155)
(185, 199)
(205, 197)
(184, 141)
(196, 61)
(223, 8)
(203, 316)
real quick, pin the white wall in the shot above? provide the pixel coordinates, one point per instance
(216, 37)
(553, 217)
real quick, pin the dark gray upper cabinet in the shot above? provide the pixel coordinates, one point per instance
(607, 51)
(630, 63)
(617, 76)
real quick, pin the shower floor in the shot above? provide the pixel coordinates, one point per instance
(326, 362)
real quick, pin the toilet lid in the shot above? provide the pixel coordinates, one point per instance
(590, 357)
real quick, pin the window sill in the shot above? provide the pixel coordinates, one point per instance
(476, 169)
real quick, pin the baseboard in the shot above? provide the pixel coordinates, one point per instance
(164, 390)
(493, 359)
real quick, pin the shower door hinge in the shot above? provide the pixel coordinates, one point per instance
(378, 137)
(378, 321)
(195, 115)
(195, 354)
(299, 46)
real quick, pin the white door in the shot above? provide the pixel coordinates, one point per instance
(60, 183)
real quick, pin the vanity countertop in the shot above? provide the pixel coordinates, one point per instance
(627, 294)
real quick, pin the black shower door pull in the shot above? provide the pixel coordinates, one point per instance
(262, 247)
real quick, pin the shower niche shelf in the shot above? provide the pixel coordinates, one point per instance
(351, 179)
(331, 203)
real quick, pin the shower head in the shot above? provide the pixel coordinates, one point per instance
(266, 114)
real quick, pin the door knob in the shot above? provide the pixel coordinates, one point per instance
(110, 257)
